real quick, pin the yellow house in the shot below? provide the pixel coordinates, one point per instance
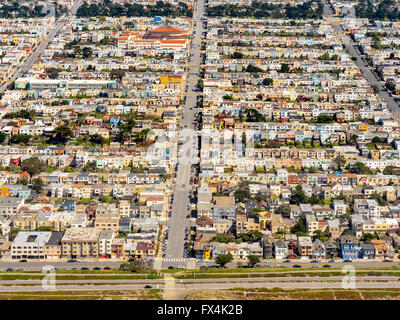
(381, 226)
(5, 191)
(166, 79)
(362, 127)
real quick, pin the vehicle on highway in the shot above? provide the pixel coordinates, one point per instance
(23, 260)
(96, 268)
(9, 269)
(297, 266)
(72, 260)
(147, 286)
(106, 268)
(387, 260)
(170, 267)
(84, 268)
(286, 261)
(326, 266)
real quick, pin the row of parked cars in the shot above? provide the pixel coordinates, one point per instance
(164, 248)
(185, 247)
(83, 268)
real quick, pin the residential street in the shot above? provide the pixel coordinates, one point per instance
(392, 105)
(182, 189)
(38, 51)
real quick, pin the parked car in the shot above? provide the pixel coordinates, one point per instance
(84, 268)
(106, 268)
(326, 266)
(72, 260)
(23, 260)
(297, 266)
(96, 268)
(347, 260)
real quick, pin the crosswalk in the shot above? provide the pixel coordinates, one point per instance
(174, 260)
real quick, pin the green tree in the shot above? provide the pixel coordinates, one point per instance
(375, 88)
(241, 195)
(285, 68)
(37, 184)
(20, 138)
(32, 165)
(376, 140)
(367, 237)
(87, 52)
(223, 259)
(283, 210)
(117, 74)
(378, 198)
(359, 168)
(63, 133)
(3, 136)
(267, 82)
(237, 55)
(253, 260)
(390, 86)
(52, 73)
(298, 195)
(97, 139)
(299, 226)
(13, 233)
(339, 162)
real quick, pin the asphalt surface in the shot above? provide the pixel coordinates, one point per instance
(38, 51)
(370, 76)
(228, 284)
(180, 218)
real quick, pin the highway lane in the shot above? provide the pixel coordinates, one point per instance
(206, 286)
(38, 51)
(180, 219)
(199, 281)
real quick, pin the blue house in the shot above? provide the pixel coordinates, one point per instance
(68, 205)
(349, 248)
(367, 251)
(114, 120)
(125, 224)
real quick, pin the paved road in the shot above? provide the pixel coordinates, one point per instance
(371, 77)
(180, 218)
(195, 282)
(38, 51)
(206, 286)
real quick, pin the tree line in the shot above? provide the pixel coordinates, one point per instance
(384, 10)
(15, 10)
(106, 8)
(307, 10)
